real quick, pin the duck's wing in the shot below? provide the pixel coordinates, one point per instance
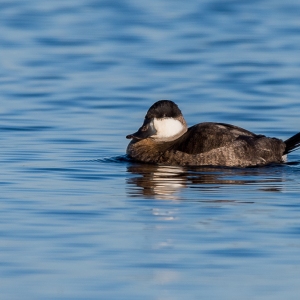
(205, 137)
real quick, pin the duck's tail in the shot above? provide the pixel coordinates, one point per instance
(292, 144)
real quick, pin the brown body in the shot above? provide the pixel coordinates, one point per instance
(210, 144)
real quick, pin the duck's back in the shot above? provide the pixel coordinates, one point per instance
(227, 145)
(205, 137)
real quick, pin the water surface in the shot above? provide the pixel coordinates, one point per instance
(79, 220)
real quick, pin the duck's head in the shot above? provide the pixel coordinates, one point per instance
(163, 122)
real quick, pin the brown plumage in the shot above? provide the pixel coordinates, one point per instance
(204, 144)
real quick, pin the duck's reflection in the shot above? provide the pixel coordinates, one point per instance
(166, 182)
(151, 180)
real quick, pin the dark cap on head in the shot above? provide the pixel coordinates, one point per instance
(159, 110)
(163, 109)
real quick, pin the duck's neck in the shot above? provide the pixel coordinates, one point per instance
(147, 150)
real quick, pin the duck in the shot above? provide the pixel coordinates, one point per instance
(165, 139)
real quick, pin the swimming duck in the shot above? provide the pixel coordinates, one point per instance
(164, 138)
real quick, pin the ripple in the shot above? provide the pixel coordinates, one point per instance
(30, 128)
(114, 159)
(56, 42)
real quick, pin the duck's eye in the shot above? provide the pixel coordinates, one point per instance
(145, 127)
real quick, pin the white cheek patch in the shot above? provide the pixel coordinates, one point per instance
(167, 127)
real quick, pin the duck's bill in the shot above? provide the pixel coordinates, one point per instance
(144, 132)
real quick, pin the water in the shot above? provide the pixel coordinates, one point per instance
(81, 221)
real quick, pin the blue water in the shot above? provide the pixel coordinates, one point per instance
(78, 220)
